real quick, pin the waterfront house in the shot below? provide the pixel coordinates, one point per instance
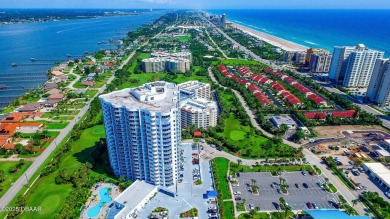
(30, 107)
(50, 86)
(56, 97)
(50, 103)
(88, 83)
(56, 73)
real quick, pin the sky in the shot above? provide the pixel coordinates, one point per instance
(200, 4)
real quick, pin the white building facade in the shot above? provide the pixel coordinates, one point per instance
(143, 132)
(379, 88)
(193, 89)
(201, 113)
(353, 66)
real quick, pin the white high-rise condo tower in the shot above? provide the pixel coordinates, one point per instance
(379, 88)
(143, 132)
(353, 66)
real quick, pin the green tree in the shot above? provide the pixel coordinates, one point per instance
(2, 176)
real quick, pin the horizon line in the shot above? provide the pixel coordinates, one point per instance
(200, 9)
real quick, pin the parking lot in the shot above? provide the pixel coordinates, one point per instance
(296, 197)
(189, 195)
(371, 184)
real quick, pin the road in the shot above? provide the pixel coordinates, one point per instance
(223, 53)
(17, 186)
(70, 86)
(385, 119)
(310, 157)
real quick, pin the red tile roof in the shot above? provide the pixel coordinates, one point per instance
(262, 98)
(335, 114)
(314, 115)
(253, 87)
(343, 114)
(197, 134)
(221, 67)
(289, 80)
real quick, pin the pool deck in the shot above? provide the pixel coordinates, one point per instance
(94, 199)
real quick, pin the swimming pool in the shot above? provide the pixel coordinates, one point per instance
(104, 199)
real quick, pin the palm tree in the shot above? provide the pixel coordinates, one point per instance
(354, 202)
(326, 180)
(253, 182)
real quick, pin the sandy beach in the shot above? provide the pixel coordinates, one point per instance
(276, 41)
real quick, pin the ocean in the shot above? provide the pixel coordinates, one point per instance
(319, 28)
(50, 42)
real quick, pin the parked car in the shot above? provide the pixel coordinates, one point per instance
(311, 173)
(309, 205)
(237, 198)
(335, 205)
(304, 173)
(305, 185)
(212, 211)
(277, 207)
(296, 185)
(272, 185)
(279, 191)
(251, 207)
(315, 205)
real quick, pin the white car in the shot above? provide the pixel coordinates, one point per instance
(251, 207)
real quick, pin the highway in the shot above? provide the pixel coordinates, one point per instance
(17, 186)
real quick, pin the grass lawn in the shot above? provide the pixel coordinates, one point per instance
(144, 55)
(258, 215)
(184, 38)
(182, 78)
(228, 212)
(51, 196)
(237, 134)
(11, 177)
(143, 78)
(90, 93)
(332, 188)
(29, 135)
(240, 207)
(150, 77)
(56, 125)
(221, 165)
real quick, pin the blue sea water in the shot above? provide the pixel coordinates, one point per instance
(319, 28)
(53, 41)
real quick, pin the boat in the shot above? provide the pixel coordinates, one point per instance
(33, 59)
(69, 55)
(2, 87)
(86, 52)
(99, 43)
(14, 64)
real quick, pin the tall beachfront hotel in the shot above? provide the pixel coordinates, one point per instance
(379, 89)
(353, 65)
(143, 132)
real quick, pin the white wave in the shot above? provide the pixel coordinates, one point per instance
(309, 42)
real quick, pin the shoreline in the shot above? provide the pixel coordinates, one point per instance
(273, 40)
